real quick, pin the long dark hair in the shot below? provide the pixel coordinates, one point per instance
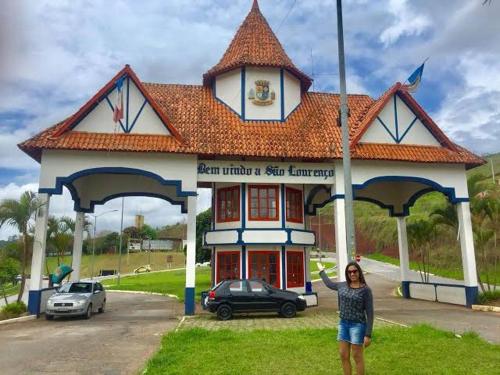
(360, 273)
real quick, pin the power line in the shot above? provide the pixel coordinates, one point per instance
(286, 16)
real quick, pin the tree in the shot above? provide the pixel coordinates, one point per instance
(9, 268)
(18, 213)
(203, 224)
(421, 235)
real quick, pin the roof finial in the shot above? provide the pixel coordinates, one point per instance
(255, 5)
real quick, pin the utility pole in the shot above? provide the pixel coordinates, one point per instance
(346, 156)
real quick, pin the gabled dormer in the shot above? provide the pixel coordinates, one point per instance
(255, 77)
(138, 112)
(396, 118)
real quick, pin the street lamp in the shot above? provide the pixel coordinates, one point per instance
(93, 241)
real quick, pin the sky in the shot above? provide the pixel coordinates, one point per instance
(56, 54)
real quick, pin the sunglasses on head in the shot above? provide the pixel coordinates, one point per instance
(352, 272)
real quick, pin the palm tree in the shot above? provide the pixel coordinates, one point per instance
(421, 236)
(18, 213)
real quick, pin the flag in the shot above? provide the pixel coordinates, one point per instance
(415, 78)
(118, 108)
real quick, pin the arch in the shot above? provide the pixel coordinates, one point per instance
(312, 194)
(449, 192)
(68, 183)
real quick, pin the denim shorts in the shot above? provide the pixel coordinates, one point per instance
(352, 332)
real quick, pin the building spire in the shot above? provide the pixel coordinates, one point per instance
(255, 44)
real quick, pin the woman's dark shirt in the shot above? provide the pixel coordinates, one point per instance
(355, 304)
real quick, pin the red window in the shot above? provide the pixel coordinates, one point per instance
(294, 205)
(228, 265)
(294, 269)
(228, 204)
(263, 202)
(265, 265)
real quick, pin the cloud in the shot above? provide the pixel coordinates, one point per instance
(406, 22)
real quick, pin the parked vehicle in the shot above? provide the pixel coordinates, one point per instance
(76, 299)
(234, 296)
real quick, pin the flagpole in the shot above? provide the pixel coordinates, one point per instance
(120, 245)
(346, 154)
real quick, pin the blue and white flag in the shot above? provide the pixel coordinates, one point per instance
(415, 78)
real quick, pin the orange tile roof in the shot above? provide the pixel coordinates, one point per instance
(255, 44)
(209, 128)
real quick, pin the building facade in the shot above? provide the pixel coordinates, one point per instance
(269, 149)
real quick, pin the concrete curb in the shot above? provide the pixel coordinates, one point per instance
(486, 308)
(18, 320)
(141, 292)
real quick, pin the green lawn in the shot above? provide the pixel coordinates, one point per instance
(417, 350)
(130, 262)
(168, 282)
(314, 267)
(10, 290)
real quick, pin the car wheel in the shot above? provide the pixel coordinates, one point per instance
(49, 317)
(288, 310)
(224, 312)
(88, 314)
(101, 309)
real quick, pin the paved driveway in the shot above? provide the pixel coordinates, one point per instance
(116, 342)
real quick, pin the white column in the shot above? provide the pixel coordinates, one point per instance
(39, 243)
(404, 263)
(190, 256)
(340, 237)
(467, 244)
(77, 246)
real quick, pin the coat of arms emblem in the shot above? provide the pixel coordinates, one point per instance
(261, 95)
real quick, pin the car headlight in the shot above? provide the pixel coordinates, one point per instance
(302, 297)
(80, 303)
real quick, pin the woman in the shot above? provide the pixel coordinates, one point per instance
(356, 315)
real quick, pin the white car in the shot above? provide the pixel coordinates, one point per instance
(80, 298)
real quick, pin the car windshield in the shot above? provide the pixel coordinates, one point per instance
(76, 288)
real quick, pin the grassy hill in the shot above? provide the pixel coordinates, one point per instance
(486, 168)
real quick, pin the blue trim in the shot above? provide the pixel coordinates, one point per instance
(137, 116)
(34, 299)
(471, 293)
(243, 262)
(282, 202)
(242, 243)
(387, 129)
(396, 119)
(243, 92)
(316, 207)
(189, 301)
(309, 287)
(128, 104)
(408, 129)
(282, 98)
(112, 110)
(405, 289)
(68, 182)
(433, 186)
(243, 206)
(283, 268)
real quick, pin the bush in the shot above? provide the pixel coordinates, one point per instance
(13, 310)
(484, 298)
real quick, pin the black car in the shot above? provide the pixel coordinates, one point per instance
(233, 296)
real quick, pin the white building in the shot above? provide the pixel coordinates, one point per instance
(269, 149)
